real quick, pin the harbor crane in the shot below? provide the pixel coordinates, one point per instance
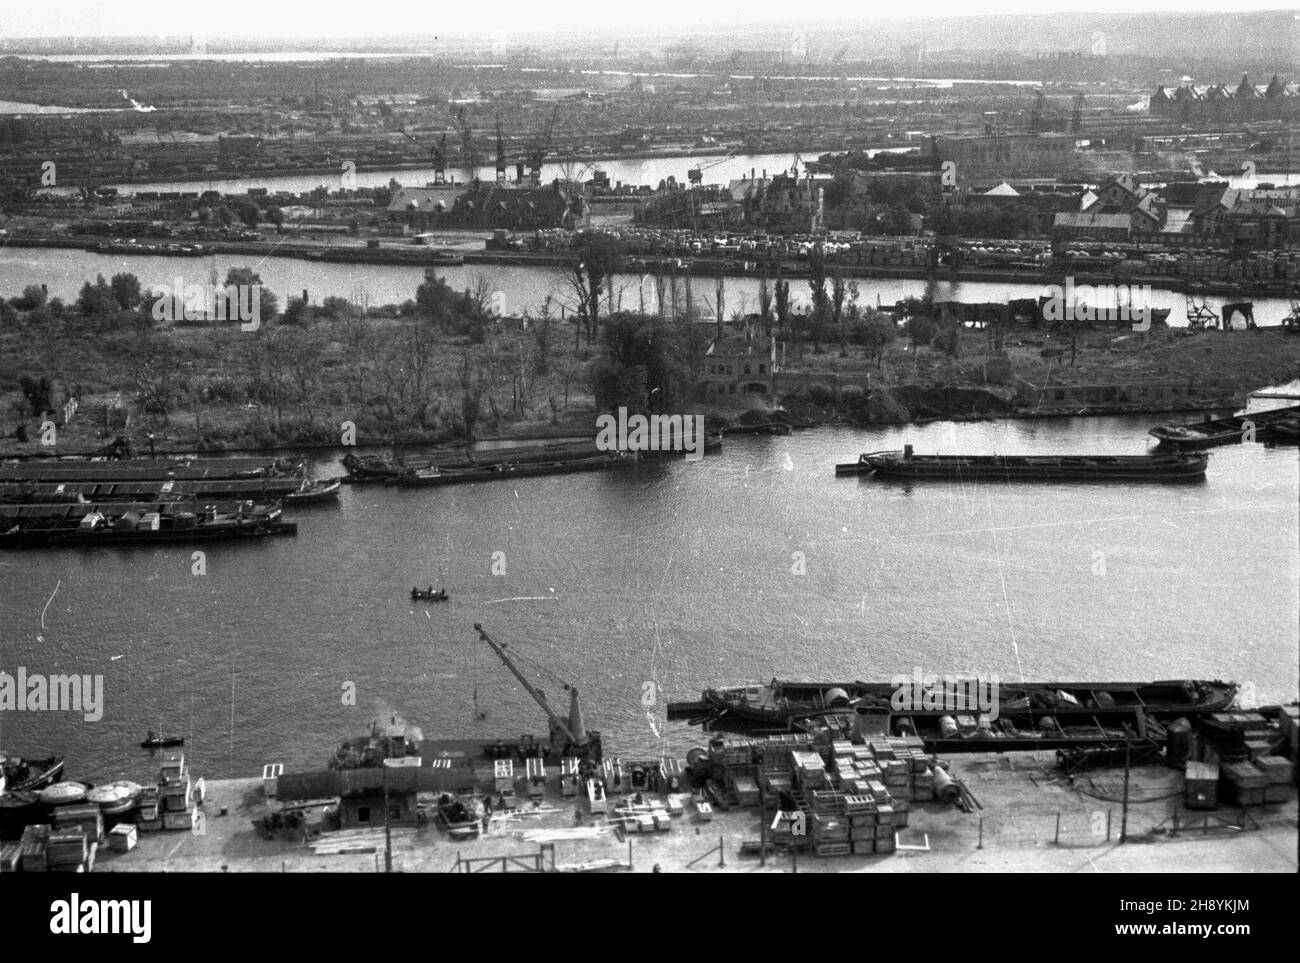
(437, 156)
(467, 141)
(568, 737)
(696, 174)
(501, 154)
(540, 146)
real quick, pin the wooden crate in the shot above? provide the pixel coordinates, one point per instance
(87, 818)
(885, 845)
(1244, 775)
(1279, 771)
(122, 838)
(10, 857)
(863, 847)
(832, 849)
(1276, 794)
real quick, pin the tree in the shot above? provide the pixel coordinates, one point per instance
(38, 393)
(765, 305)
(268, 303)
(820, 301)
(126, 291)
(594, 258)
(97, 300)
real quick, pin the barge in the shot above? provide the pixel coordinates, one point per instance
(1222, 431)
(60, 526)
(424, 477)
(1171, 467)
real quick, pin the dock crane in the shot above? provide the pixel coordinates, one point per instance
(501, 154)
(539, 148)
(696, 174)
(437, 156)
(467, 141)
(568, 737)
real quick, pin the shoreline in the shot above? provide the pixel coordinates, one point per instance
(410, 255)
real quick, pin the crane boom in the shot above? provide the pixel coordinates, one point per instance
(536, 693)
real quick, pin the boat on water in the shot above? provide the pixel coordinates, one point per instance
(157, 489)
(77, 527)
(779, 704)
(152, 741)
(1221, 431)
(363, 469)
(315, 492)
(30, 775)
(147, 469)
(423, 477)
(1174, 466)
(429, 595)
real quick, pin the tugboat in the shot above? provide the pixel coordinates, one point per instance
(29, 775)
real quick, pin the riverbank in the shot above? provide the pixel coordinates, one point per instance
(355, 251)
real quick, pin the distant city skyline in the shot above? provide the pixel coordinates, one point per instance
(514, 18)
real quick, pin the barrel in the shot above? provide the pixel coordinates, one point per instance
(948, 726)
(945, 789)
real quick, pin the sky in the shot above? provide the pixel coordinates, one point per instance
(347, 18)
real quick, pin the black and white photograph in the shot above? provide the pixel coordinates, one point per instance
(604, 440)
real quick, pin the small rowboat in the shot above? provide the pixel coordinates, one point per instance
(314, 492)
(152, 741)
(438, 596)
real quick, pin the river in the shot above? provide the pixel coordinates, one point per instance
(672, 573)
(64, 271)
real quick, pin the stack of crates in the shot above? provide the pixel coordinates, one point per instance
(88, 818)
(536, 772)
(922, 781)
(175, 792)
(148, 815)
(809, 770)
(827, 826)
(860, 811)
(1280, 773)
(67, 851)
(32, 848)
(1245, 784)
(1289, 729)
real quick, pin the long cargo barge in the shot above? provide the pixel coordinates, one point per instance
(67, 526)
(425, 477)
(290, 489)
(1222, 431)
(1172, 467)
(779, 704)
(146, 469)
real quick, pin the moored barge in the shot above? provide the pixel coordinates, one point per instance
(1222, 431)
(1175, 466)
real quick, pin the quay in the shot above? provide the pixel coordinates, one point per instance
(1033, 820)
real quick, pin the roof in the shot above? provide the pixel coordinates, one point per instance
(424, 199)
(1093, 221)
(1002, 190)
(356, 782)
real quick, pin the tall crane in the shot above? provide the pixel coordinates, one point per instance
(467, 141)
(539, 148)
(696, 174)
(437, 156)
(568, 737)
(501, 154)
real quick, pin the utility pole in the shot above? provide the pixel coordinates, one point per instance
(388, 835)
(1123, 824)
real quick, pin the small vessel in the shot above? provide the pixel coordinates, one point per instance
(79, 526)
(429, 595)
(369, 468)
(30, 775)
(1175, 466)
(1220, 431)
(315, 492)
(152, 741)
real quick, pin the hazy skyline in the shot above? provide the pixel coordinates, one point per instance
(509, 18)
